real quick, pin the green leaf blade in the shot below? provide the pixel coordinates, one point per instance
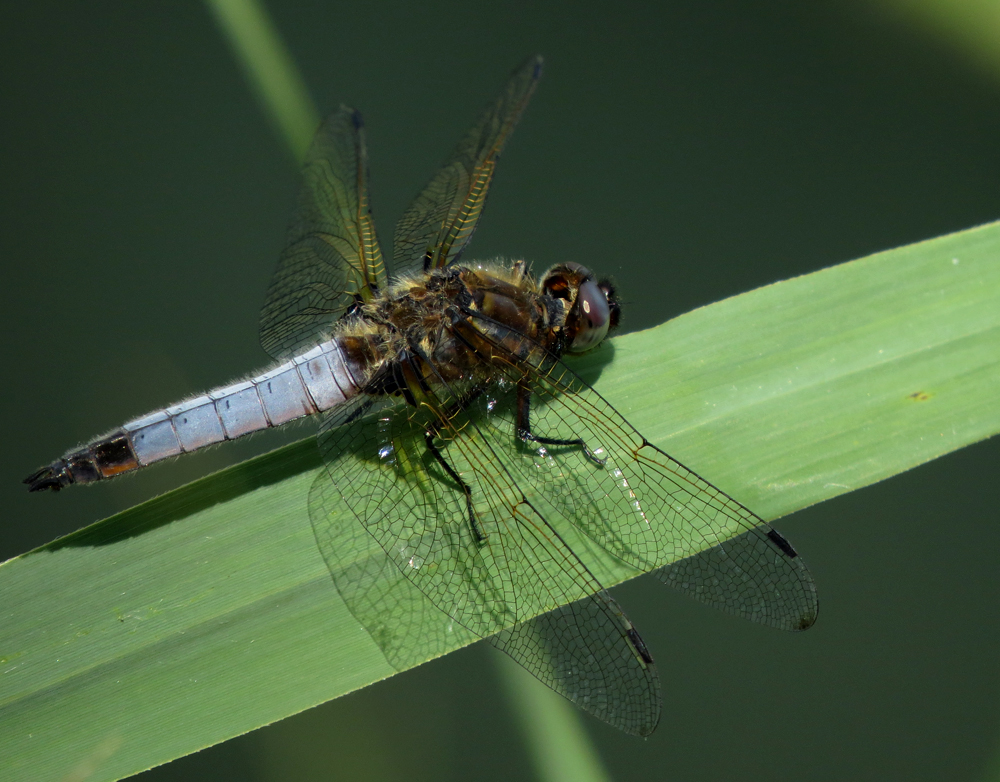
(209, 611)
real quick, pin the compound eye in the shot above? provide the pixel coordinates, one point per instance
(593, 317)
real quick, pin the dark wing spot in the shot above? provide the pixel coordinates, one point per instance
(639, 645)
(786, 547)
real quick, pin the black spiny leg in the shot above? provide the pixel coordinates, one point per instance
(524, 428)
(434, 429)
(429, 436)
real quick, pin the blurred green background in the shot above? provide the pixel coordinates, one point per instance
(694, 151)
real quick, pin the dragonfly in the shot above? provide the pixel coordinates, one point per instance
(455, 438)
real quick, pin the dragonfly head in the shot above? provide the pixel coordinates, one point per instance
(592, 307)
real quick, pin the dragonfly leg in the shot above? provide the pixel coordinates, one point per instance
(416, 379)
(524, 433)
(429, 436)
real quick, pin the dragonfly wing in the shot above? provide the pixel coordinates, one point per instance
(756, 575)
(407, 627)
(488, 573)
(332, 258)
(616, 685)
(439, 223)
(634, 500)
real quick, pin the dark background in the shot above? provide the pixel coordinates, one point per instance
(694, 150)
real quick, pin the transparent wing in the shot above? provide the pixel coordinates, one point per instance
(332, 258)
(630, 497)
(439, 223)
(407, 627)
(489, 563)
(567, 649)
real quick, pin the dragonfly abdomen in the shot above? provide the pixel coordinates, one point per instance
(310, 383)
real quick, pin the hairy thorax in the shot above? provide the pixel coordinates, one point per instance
(426, 315)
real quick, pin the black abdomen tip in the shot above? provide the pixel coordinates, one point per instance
(53, 477)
